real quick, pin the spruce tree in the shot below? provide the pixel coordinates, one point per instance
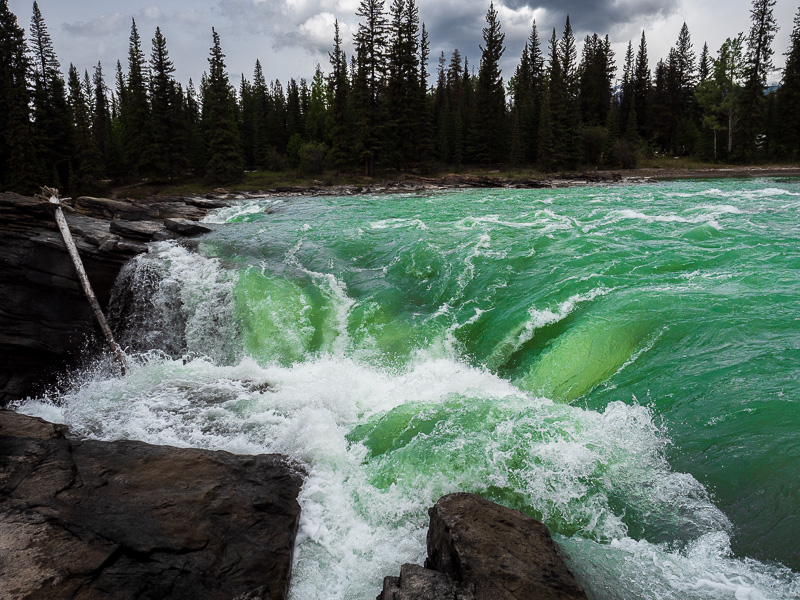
(247, 122)
(168, 139)
(641, 87)
(223, 140)
(317, 109)
(758, 66)
(85, 162)
(16, 151)
(491, 128)
(704, 66)
(573, 149)
(51, 131)
(339, 124)
(627, 96)
(371, 51)
(402, 106)
(788, 98)
(261, 108)
(135, 116)
(296, 115)
(547, 146)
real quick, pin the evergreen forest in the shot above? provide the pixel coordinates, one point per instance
(391, 106)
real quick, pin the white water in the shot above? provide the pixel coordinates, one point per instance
(592, 476)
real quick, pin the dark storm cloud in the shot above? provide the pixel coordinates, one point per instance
(601, 16)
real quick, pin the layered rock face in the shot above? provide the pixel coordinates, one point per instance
(87, 520)
(479, 550)
(44, 317)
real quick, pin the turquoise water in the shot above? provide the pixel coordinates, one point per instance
(620, 362)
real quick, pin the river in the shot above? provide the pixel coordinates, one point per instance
(621, 362)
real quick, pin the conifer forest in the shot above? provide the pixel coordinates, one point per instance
(392, 106)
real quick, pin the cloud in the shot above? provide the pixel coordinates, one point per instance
(600, 16)
(102, 26)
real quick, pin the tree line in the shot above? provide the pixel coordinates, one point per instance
(376, 110)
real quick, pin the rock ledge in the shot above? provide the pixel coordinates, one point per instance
(86, 520)
(479, 550)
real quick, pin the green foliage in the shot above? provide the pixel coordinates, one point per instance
(312, 158)
(377, 111)
(223, 141)
(788, 99)
(491, 127)
(758, 64)
(85, 162)
(16, 151)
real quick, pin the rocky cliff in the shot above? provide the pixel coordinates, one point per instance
(45, 320)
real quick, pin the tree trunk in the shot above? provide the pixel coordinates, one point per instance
(83, 278)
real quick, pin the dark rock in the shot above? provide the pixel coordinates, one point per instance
(163, 235)
(206, 203)
(419, 583)
(186, 227)
(138, 230)
(479, 550)
(44, 318)
(128, 520)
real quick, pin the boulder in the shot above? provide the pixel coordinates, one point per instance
(186, 226)
(128, 520)
(479, 550)
(138, 230)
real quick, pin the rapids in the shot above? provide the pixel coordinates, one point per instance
(619, 362)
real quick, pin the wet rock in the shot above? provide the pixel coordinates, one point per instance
(45, 321)
(128, 520)
(138, 230)
(186, 227)
(484, 551)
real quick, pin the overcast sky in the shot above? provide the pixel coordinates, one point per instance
(291, 37)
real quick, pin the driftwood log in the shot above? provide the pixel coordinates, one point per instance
(51, 195)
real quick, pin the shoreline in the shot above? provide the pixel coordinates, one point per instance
(409, 183)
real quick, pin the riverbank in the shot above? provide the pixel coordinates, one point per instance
(260, 183)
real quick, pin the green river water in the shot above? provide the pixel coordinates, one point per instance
(620, 362)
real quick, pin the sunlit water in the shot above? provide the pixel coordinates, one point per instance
(619, 362)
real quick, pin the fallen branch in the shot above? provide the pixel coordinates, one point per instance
(51, 195)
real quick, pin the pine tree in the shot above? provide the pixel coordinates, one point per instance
(338, 122)
(85, 163)
(168, 140)
(402, 106)
(529, 117)
(595, 81)
(758, 66)
(51, 132)
(223, 141)
(491, 126)
(628, 95)
(135, 115)
(641, 87)
(682, 79)
(297, 115)
(573, 149)
(788, 98)
(317, 109)
(261, 109)
(195, 146)
(16, 151)
(371, 51)
(546, 140)
(704, 66)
